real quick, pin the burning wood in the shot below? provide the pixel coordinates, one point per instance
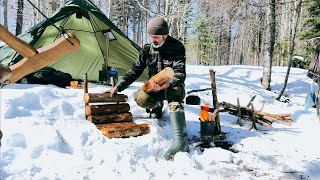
(204, 113)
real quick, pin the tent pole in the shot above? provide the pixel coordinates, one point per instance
(106, 56)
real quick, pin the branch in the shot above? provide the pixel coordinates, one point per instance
(145, 9)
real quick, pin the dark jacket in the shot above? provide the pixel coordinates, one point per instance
(170, 54)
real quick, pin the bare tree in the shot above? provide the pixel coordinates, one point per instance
(292, 46)
(267, 66)
(5, 13)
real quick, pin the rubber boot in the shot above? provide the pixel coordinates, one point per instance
(156, 112)
(179, 131)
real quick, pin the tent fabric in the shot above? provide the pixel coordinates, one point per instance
(88, 23)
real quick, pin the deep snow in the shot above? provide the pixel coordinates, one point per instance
(46, 135)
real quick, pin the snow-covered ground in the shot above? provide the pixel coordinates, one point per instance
(46, 135)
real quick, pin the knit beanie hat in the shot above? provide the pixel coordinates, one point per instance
(157, 26)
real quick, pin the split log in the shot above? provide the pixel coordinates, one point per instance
(111, 118)
(104, 97)
(122, 130)
(161, 78)
(262, 118)
(107, 109)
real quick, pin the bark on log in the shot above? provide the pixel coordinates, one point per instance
(107, 109)
(104, 97)
(260, 116)
(111, 118)
(123, 130)
(161, 78)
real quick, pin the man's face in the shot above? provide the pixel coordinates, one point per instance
(157, 39)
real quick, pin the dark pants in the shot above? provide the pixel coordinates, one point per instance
(150, 100)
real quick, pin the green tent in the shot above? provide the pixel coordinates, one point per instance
(91, 27)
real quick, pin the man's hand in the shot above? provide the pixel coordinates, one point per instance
(155, 87)
(112, 91)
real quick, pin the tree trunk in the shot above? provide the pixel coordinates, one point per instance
(267, 67)
(19, 17)
(5, 13)
(298, 10)
(109, 10)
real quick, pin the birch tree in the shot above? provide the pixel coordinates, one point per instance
(267, 66)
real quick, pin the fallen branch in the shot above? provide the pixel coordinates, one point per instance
(262, 118)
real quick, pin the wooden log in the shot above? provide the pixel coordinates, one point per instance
(104, 97)
(21, 47)
(111, 118)
(107, 109)
(46, 56)
(217, 127)
(123, 130)
(161, 78)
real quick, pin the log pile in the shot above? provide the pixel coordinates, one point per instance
(111, 115)
(262, 118)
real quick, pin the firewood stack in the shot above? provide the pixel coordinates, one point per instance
(111, 114)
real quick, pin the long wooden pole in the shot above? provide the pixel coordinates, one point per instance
(216, 126)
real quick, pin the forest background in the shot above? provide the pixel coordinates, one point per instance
(221, 32)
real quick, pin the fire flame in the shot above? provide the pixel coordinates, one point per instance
(204, 113)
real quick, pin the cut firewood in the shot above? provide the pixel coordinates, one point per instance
(107, 109)
(104, 97)
(111, 118)
(122, 130)
(161, 78)
(277, 117)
